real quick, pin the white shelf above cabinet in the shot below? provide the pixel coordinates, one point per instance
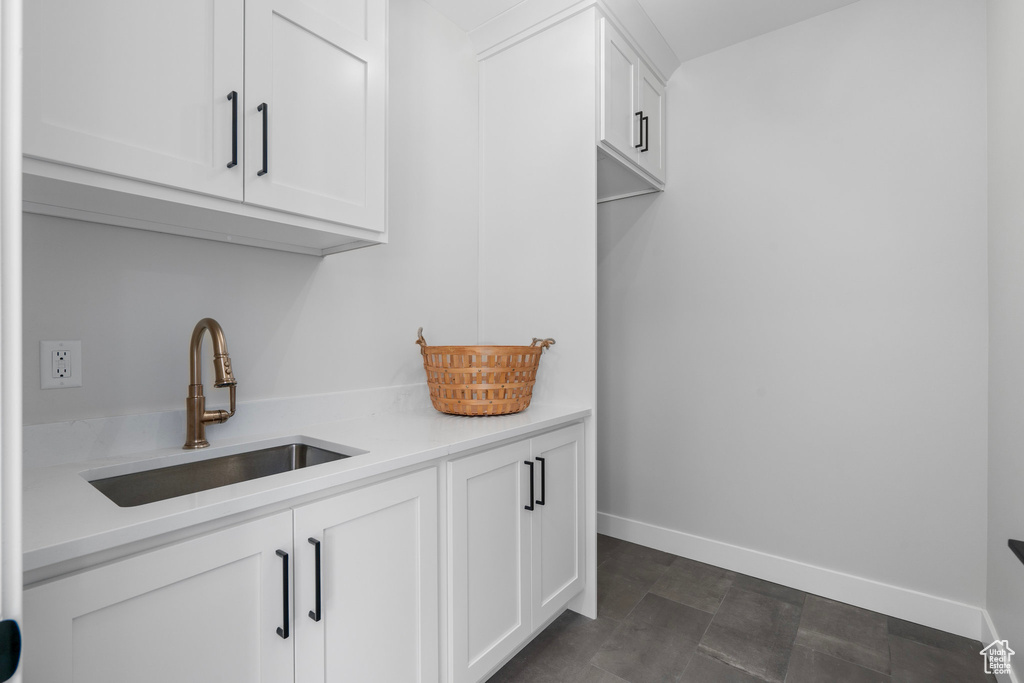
(618, 180)
(57, 190)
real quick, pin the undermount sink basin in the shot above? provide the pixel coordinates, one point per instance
(149, 486)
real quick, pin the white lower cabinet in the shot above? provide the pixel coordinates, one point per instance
(343, 589)
(206, 609)
(220, 607)
(515, 546)
(376, 618)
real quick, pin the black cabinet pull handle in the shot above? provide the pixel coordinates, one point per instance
(233, 97)
(543, 484)
(315, 614)
(10, 648)
(640, 129)
(284, 632)
(646, 136)
(530, 506)
(263, 108)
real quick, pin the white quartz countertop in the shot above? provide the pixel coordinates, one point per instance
(65, 517)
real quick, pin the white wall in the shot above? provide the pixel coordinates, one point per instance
(793, 336)
(1006, 316)
(295, 324)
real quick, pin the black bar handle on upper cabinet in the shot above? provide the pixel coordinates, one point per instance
(315, 614)
(263, 108)
(640, 128)
(646, 136)
(284, 632)
(530, 506)
(233, 97)
(543, 483)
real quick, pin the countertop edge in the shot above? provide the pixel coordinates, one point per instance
(263, 496)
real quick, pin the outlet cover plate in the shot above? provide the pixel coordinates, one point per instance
(60, 364)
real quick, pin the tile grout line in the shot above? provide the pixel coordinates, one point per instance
(789, 659)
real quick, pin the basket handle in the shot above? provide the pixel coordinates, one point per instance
(542, 343)
(421, 341)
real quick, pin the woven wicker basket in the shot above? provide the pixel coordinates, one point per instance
(481, 380)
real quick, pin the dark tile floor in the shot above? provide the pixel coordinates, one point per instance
(667, 618)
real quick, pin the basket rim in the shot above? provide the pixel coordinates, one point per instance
(481, 350)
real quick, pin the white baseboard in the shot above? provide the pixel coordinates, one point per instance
(930, 610)
(989, 635)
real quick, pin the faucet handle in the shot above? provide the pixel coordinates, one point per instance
(221, 416)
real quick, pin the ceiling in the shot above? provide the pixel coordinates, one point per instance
(697, 27)
(468, 14)
(691, 27)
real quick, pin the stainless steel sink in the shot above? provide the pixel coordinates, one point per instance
(139, 488)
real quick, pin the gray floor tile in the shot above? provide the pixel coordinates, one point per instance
(562, 650)
(934, 637)
(594, 675)
(808, 666)
(846, 632)
(642, 552)
(753, 632)
(695, 584)
(774, 590)
(656, 624)
(523, 673)
(685, 622)
(704, 669)
(574, 640)
(919, 663)
(618, 595)
(606, 545)
(513, 672)
(655, 643)
(642, 569)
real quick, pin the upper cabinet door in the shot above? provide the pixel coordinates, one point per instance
(652, 104)
(619, 75)
(315, 108)
(136, 89)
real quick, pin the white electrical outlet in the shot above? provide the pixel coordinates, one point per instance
(60, 364)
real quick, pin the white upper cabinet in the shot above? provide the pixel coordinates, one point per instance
(620, 73)
(631, 117)
(651, 153)
(314, 119)
(136, 89)
(260, 122)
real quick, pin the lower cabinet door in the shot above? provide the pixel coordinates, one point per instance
(558, 548)
(489, 553)
(206, 609)
(375, 615)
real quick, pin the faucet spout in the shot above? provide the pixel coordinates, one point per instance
(221, 360)
(196, 414)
